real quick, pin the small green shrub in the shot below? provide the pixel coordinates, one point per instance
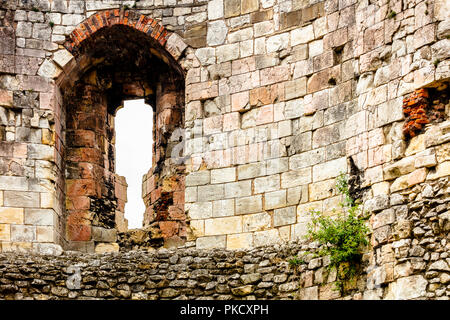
(295, 261)
(392, 14)
(342, 237)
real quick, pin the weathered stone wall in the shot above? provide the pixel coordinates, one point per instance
(280, 97)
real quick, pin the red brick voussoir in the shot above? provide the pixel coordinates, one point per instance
(415, 110)
(108, 18)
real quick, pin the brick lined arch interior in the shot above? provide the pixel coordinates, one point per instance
(121, 55)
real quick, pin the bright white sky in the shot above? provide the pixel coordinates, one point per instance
(133, 125)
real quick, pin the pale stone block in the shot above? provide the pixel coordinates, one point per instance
(211, 242)
(62, 57)
(297, 194)
(197, 228)
(329, 169)
(40, 217)
(442, 170)
(416, 144)
(12, 215)
(380, 188)
(263, 28)
(227, 52)
(239, 241)
(275, 166)
(256, 222)
(284, 216)
(45, 234)
(275, 199)
(407, 288)
(5, 232)
(210, 192)
(106, 248)
(223, 175)
(22, 247)
(190, 194)
(13, 183)
(215, 9)
(219, 226)
(265, 238)
(47, 249)
(206, 56)
(223, 208)
(49, 70)
(21, 199)
(252, 170)
(277, 43)
(294, 178)
(198, 178)
(401, 167)
(199, 210)
(23, 233)
(267, 184)
(238, 189)
(248, 204)
(302, 35)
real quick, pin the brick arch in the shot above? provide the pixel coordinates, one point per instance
(169, 41)
(163, 187)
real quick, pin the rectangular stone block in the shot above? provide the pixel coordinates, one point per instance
(267, 184)
(238, 189)
(40, 217)
(210, 192)
(265, 238)
(45, 234)
(12, 215)
(21, 199)
(223, 175)
(239, 241)
(284, 216)
(251, 170)
(13, 183)
(5, 232)
(223, 208)
(275, 199)
(23, 233)
(321, 190)
(211, 242)
(329, 169)
(199, 210)
(250, 204)
(256, 222)
(220, 226)
(294, 178)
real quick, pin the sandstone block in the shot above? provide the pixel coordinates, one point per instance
(220, 226)
(11, 215)
(239, 241)
(106, 248)
(250, 204)
(211, 242)
(21, 199)
(256, 222)
(275, 199)
(199, 210)
(284, 216)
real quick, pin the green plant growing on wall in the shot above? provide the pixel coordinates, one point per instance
(342, 237)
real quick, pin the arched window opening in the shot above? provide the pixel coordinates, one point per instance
(133, 126)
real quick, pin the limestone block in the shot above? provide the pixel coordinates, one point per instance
(21, 199)
(322, 190)
(251, 170)
(62, 57)
(227, 52)
(294, 178)
(275, 199)
(5, 232)
(211, 242)
(284, 216)
(23, 233)
(377, 203)
(13, 183)
(199, 210)
(47, 249)
(220, 226)
(402, 167)
(223, 175)
(442, 170)
(302, 35)
(206, 56)
(106, 248)
(238, 189)
(217, 33)
(12, 215)
(268, 237)
(45, 234)
(40, 217)
(197, 228)
(175, 45)
(250, 204)
(239, 241)
(198, 178)
(256, 222)
(277, 43)
(407, 288)
(215, 9)
(266, 184)
(329, 169)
